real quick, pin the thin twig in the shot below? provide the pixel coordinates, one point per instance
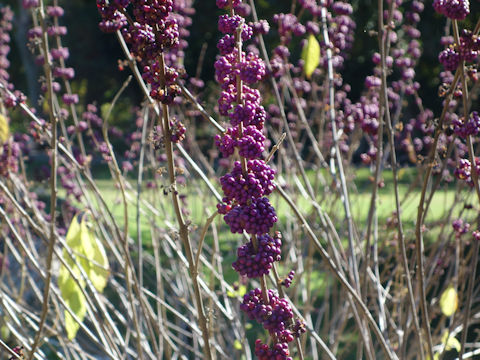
(419, 246)
(202, 237)
(183, 228)
(275, 148)
(120, 181)
(343, 281)
(474, 175)
(382, 39)
(53, 178)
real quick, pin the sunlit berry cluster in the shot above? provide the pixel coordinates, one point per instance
(467, 50)
(150, 32)
(245, 205)
(469, 127)
(453, 9)
(245, 187)
(464, 170)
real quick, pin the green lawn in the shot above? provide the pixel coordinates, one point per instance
(200, 203)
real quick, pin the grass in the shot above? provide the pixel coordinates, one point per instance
(360, 197)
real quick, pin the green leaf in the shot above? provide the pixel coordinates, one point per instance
(4, 129)
(237, 345)
(449, 301)
(311, 56)
(91, 256)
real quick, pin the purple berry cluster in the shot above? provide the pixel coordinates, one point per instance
(279, 351)
(476, 235)
(288, 280)
(460, 227)
(10, 150)
(464, 170)
(256, 218)
(467, 50)
(275, 316)
(178, 130)
(245, 205)
(464, 128)
(255, 183)
(57, 55)
(9, 156)
(9, 100)
(6, 16)
(18, 349)
(67, 179)
(453, 9)
(449, 58)
(152, 30)
(182, 12)
(254, 264)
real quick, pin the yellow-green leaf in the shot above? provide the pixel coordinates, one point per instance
(97, 268)
(450, 342)
(4, 332)
(242, 290)
(311, 55)
(4, 129)
(449, 301)
(237, 345)
(69, 289)
(91, 256)
(76, 301)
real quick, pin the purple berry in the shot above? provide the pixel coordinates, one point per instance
(253, 263)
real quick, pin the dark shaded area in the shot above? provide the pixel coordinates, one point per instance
(95, 55)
